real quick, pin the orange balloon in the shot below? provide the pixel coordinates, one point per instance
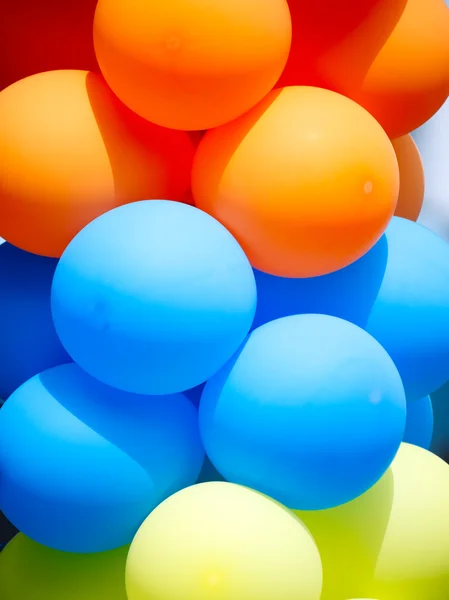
(191, 65)
(390, 56)
(70, 151)
(408, 81)
(307, 181)
(411, 176)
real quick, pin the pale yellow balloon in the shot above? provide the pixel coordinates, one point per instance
(393, 542)
(221, 541)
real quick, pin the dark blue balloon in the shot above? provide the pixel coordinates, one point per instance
(348, 293)
(398, 292)
(83, 464)
(311, 412)
(419, 428)
(153, 297)
(28, 341)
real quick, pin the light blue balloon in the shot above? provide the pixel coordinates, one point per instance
(311, 412)
(153, 297)
(432, 140)
(410, 316)
(28, 340)
(348, 293)
(82, 464)
(419, 427)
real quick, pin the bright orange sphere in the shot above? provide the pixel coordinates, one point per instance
(390, 56)
(408, 81)
(191, 65)
(411, 176)
(307, 181)
(70, 151)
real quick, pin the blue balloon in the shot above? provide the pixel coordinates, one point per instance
(194, 394)
(419, 427)
(82, 464)
(311, 412)
(153, 297)
(28, 340)
(348, 293)
(410, 315)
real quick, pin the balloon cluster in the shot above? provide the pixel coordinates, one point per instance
(220, 321)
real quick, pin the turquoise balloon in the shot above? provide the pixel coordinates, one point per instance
(83, 464)
(410, 315)
(153, 297)
(311, 411)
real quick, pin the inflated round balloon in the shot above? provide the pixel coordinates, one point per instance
(153, 297)
(348, 293)
(58, 35)
(408, 79)
(411, 176)
(410, 316)
(419, 427)
(70, 151)
(192, 65)
(222, 541)
(433, 143)
(390, 56)
(28, 341)
(311, 412)
(82, 465)
(307, 181)
(325, 32)
(29, 571)
(391, 543)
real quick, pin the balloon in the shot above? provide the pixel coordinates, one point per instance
(348, 293)
(45, 36)
(222, 541)
(324, 34)
(192, 65)
(390, 56)
(307, 181)
(408, 80)
(194, 394)
(153, 297)
(70, 151)
(83, 464)
(410, 316)
(311, 412)
(433, 143)
(393, 542)
(209, 473)
(29, 571)
(419, 428)
(28, 341)
(411, 176)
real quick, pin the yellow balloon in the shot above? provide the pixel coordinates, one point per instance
(393, 542)
(222, 541)
(29, 571)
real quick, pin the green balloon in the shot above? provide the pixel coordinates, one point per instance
(29, 571)
(393, 541)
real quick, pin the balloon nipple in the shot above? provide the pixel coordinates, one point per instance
(173, 42)
(368, 187)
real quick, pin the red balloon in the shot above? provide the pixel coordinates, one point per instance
(45, 35)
